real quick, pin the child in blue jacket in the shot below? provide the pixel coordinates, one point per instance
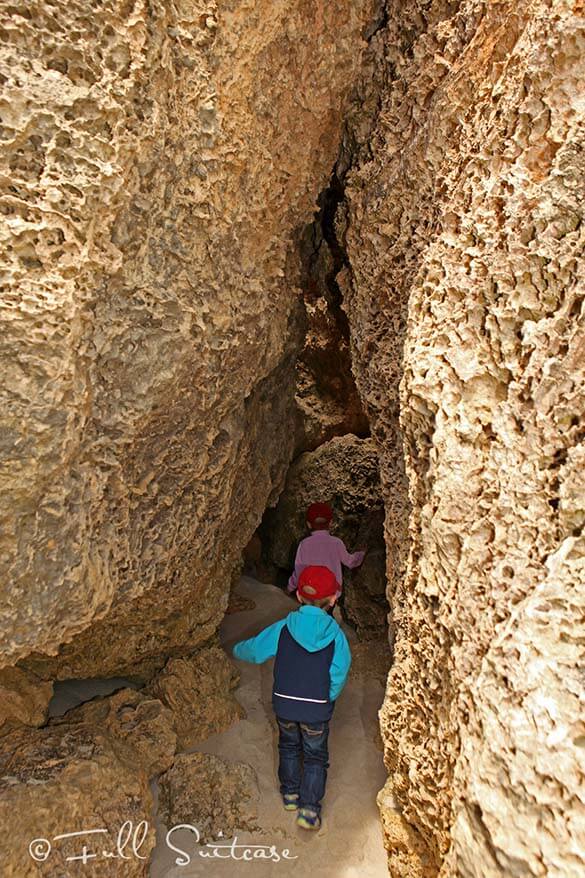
(311, 668)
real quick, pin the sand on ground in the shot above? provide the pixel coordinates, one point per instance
(349, 843)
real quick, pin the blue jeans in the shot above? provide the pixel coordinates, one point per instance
(307, 778)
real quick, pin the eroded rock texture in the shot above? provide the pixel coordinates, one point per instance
(86, 770)
(24, 699)
(157, 161)
(327, 400)
(465, 242)
(343, 472)
(198, 692)
(218, 797)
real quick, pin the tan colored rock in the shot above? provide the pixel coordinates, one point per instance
(238, 603)
(409, 855)
(526, 737)
(364, 602)
(87, 770)
(343, 472)
(24, 699)
(157, 163)
(326, 396)
(464, 232)
(199, 693)
(141, 728)
(207, 792)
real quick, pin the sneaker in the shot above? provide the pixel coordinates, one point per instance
(291, 801)
(308, 819)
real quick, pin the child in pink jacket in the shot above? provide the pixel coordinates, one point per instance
(322, 549)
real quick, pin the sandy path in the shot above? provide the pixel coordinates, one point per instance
(349, 844)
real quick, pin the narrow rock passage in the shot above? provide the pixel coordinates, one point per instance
(349, 844)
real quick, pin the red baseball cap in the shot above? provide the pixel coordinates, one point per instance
(316, 583)
(319, 510)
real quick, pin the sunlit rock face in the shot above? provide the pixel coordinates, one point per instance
(204, 790)
(198, 691)
(158, 161)
(85, 772)
(465, 243)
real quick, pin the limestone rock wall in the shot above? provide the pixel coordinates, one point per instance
(198, 692)
(343, 472)
(203, 790)
(327, 400)
(158, 159)
(88, 769)
(464, 232)
(24, 699)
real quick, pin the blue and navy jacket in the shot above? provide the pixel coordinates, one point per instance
(312, 663)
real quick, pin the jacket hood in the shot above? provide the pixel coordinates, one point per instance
(312, 628)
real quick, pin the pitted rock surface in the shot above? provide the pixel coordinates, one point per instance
(88, 770)
(198, 690)
(464, 233)
(154, 179)
(343, 472)
(216, 796)
(24, 699)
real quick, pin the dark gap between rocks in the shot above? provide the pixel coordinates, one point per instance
(335, 458)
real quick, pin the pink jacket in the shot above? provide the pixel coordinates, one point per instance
(323, 550)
